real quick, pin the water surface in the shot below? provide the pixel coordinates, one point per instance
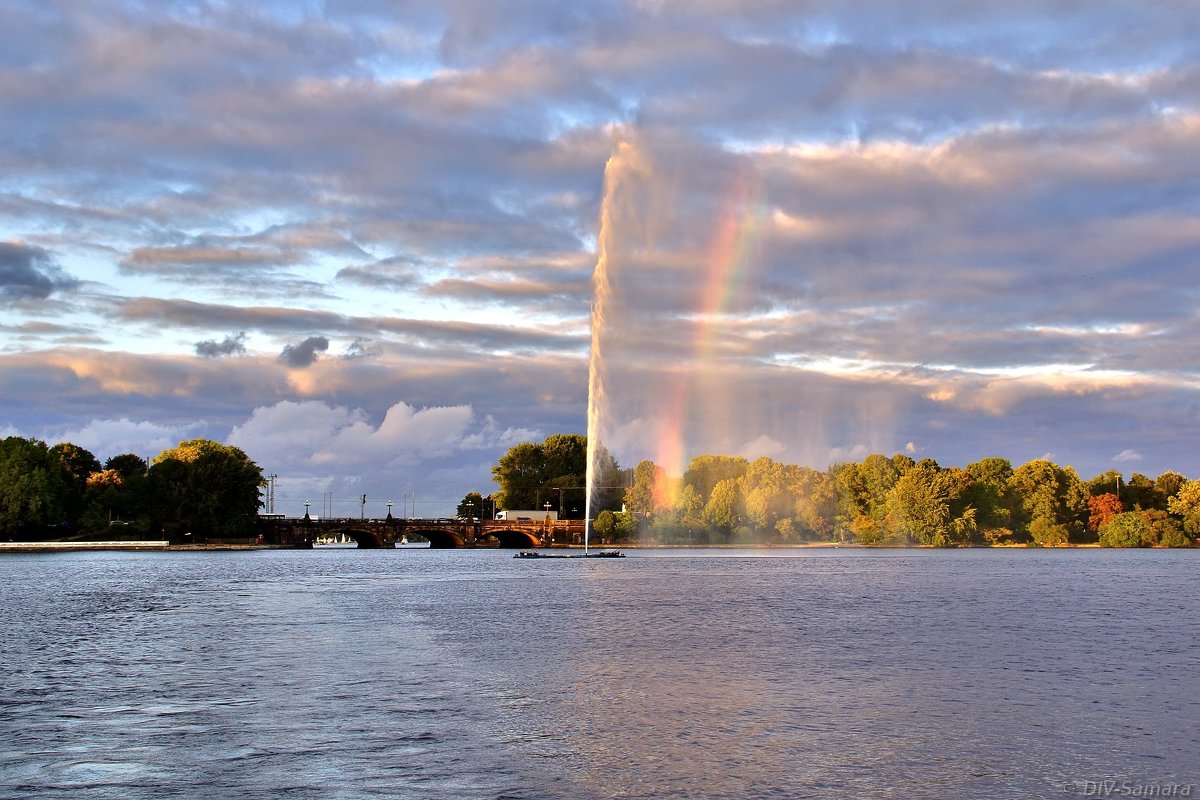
(710, 674)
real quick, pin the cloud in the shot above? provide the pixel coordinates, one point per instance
(30, 273)
(762, 446)
(232, 345)
(106, 438)
(1127, 455)
(303, 354)
(313, 435)
(196, 259)
(855, 224)
(362, 348)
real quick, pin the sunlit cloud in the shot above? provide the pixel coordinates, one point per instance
(867, 226)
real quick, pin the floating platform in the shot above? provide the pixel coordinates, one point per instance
(599, 554)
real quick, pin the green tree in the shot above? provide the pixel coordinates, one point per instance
(1166, 486)
(207, 489)
(724, 508)
(853, 498)
(1166, 531)
(565, 454)
(814, 504)
(103, 493)
(531, 474)
(1052, 497)
(1048, 533)
(613, 526)
(879, 475)
(690, 508)
(646, 494)
(1106, 483)
(921, 506)
(1139, 492)
(519, 474)
(610, 483)
(604, 525)
(131, 500)
(78, 464)
(989, 493)
(34, 487)
(76, 461)
(706, 471)
(1186, 505)
(766, 489)
(470, 506)
(1127, 529)
(127, 465)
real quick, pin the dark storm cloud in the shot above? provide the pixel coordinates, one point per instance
(232, 345)
(304, 353)
(30, 273)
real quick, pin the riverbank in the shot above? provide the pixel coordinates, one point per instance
(145, 545)
(59, 547)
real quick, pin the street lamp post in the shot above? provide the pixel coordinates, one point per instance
(362, 507)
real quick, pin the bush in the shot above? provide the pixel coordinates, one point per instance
(1128, 529)
(1048, 533)
(1174, 537)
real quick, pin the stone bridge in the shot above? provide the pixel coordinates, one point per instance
(441, 533)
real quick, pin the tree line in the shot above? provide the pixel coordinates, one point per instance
(199, 488)
(880, 500)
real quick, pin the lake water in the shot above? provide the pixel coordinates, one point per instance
(340, 673)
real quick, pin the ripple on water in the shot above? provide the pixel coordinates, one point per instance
(471, 675)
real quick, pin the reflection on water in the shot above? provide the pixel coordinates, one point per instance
(716, 674)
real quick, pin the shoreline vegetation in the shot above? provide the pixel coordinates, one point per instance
(203, 491)
(42, 547)
(891, 501)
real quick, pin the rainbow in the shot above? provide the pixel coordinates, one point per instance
(730, 255)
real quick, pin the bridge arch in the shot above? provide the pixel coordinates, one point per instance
(439, 538)
(367, 539)
(513, 538)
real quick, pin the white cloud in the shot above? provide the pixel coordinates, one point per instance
(997, 230)
(762, 446)
(303, 435)
(1128, 455)
(406, 435)
(109, 437)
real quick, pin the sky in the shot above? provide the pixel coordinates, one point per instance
(357, 239)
